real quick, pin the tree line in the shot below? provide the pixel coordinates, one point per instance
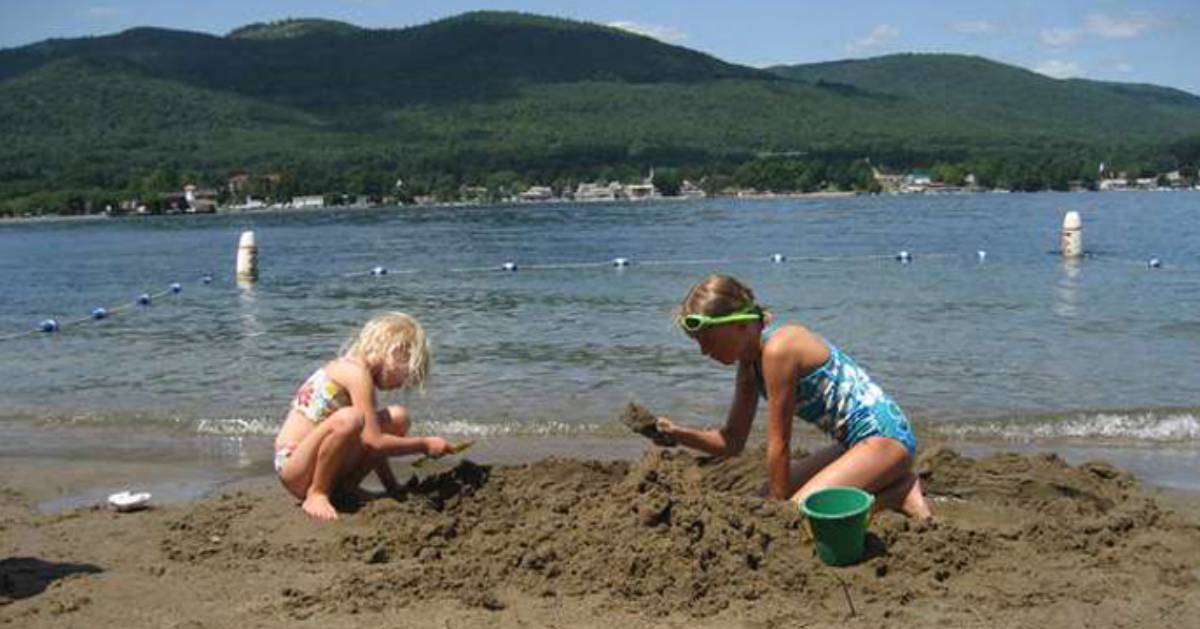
(378, 180)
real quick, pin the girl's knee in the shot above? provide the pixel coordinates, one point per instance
(805, 491)
(346, 422)
(396, 422)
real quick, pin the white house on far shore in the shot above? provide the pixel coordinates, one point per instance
(598, 191)
(309, 200)
(537, 193)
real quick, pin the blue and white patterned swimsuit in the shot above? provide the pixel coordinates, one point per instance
(839, 398)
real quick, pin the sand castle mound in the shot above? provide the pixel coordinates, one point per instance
(673, 533)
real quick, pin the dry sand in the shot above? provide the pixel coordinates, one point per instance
(668, 540)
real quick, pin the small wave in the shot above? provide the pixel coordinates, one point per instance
(262, 426)
(1157, 427)
(236, 426)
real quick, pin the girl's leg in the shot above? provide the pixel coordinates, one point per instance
(312, 469)
(804, 469)
(879, 465)
(394, 421)
(397, 424)
(905, 496)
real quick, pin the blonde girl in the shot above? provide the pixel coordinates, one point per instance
(800, 375)
(335, 433)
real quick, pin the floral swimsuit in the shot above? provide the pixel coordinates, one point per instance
(318, 398)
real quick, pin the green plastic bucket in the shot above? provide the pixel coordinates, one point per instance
(838, 518)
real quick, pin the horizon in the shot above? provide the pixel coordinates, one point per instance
(1109, 41)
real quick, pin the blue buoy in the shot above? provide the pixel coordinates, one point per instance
(620, 262)
(509, 266)
(206, 279)
(778, 257)
(143, 299)
(378, 271)
(176, 287)
(99, 313)
(1154, 263)
(48, 325)
(904, 257)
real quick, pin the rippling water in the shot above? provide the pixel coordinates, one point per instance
(1018, 346)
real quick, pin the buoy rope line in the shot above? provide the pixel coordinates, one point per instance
(97, 313)
(902, 257)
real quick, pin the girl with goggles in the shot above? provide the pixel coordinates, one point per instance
(801, 375)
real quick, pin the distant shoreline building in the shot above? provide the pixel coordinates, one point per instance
(308, 201)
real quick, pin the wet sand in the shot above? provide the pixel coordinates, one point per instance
(667, 539)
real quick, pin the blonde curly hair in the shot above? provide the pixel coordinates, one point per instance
(389, 338)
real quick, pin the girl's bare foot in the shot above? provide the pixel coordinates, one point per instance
(319, 507)
(915, 506)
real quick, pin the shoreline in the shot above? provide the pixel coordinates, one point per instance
(665, 539)
(185, 472)
(758, 196)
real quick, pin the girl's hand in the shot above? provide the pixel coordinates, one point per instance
(436, 446)
(665, 430)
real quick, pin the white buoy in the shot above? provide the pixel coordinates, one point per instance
(1072, 235)
(1154, 263)
(247, 258)
(982, 255)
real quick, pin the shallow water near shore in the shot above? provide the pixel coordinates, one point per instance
(1019, 350)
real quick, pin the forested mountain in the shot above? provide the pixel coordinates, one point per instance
(338, 107)
(967, 89)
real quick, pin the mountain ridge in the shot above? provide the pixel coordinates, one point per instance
(498, 91)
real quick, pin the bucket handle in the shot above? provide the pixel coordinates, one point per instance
(806, 534)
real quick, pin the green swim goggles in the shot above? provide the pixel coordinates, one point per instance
(696, 322)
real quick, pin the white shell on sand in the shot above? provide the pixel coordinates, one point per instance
(129, 501)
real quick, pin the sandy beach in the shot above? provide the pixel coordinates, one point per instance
(670, 539)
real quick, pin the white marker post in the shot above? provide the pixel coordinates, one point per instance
(247, 258)
(1072, 235)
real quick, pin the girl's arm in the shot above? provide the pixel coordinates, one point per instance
(780, 364)
(730, 439)
(361, 386)
(792, 351)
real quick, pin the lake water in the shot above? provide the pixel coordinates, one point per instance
(1019, 348)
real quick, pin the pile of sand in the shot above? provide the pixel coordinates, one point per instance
(672, 534)
(668, 539)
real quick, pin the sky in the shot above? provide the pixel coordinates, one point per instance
(1151, 41)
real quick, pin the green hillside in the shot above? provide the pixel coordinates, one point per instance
(969, 89)
(326, 67)
(286, 29)
(335, 107)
